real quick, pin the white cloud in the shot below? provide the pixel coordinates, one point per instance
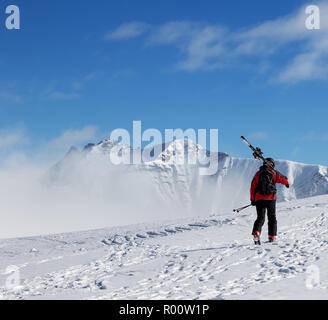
(310, 60)
(128, 31)
(12, 138)
(269, 36)
(202, 45)
(306, 66)
(208, 47)
(16, 141)
(205, 50)
(172, 32)
(73, 137)
(18, 144)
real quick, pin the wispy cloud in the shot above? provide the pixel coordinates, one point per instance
(60, 95)
(128, 31)
(68, 90)
(13, 138)
(124, 73)
(259, 135)
(173, 32)
(12, 98)
(314, 136)
(73, 137)
(57, 95)
(212, 46)
(78, 84)
(269, 36)
(295, 151)
(201, 45)
(310, 47)
(18, 144)
(306, 66)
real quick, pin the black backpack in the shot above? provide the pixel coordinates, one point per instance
(266, 183)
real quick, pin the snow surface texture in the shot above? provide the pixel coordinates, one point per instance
(192, 258)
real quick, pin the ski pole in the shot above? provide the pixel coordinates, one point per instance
(241, 209)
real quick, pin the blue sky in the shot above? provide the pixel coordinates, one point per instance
(77, 70)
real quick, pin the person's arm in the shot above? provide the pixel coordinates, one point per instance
(282, 180)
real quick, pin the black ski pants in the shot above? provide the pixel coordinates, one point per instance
(263, 206)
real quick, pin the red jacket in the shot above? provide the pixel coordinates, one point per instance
(256, 196)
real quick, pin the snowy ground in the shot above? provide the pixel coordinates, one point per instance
(211, 258)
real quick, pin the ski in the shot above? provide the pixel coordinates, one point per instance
(258, 154)
(257, 242)
(257, 239)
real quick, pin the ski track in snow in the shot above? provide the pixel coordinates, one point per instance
(211, 258)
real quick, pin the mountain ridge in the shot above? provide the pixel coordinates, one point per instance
(179, 186)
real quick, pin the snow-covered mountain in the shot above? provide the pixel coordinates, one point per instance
(166, 177)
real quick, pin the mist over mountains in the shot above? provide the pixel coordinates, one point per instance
(166, 182)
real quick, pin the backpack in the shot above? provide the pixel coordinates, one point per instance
(266, 183)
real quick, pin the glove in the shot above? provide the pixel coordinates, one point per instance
(253, 203)
(287, 186)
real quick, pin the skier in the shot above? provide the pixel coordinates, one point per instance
(263, 196)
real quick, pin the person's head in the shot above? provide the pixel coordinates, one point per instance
(271, 161)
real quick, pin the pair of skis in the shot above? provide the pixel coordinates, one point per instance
(258, 154)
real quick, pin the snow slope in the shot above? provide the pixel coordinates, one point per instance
(193, 258)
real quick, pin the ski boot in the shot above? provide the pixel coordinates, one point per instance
(257, 239)
(272, 239)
